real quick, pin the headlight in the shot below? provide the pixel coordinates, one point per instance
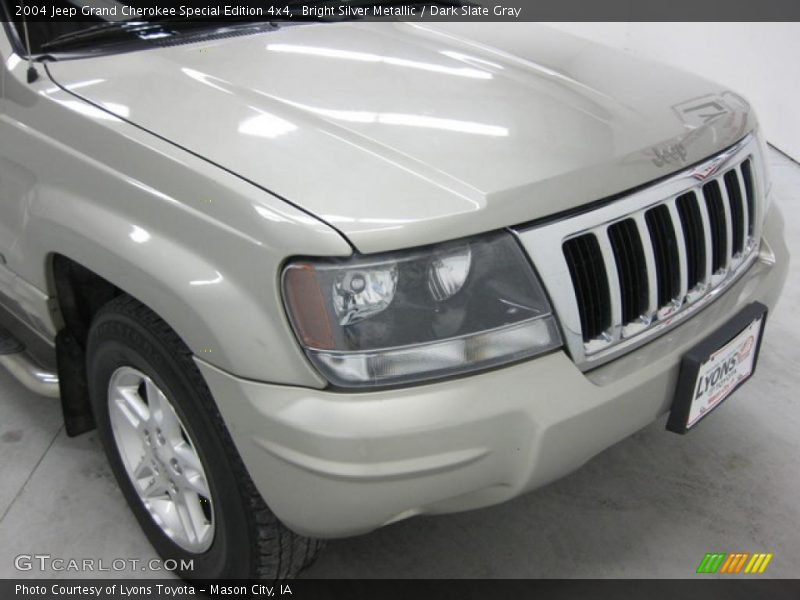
(421, 314)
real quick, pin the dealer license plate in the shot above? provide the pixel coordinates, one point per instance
(716, 367)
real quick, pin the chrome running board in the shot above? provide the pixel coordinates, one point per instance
(24, 370)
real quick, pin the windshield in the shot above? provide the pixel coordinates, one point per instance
(111, 23)
(91, 25)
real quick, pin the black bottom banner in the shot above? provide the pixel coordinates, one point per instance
(406, 589)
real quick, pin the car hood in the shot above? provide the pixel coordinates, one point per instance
(401, 134)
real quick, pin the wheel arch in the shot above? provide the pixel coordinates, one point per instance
(79, 293)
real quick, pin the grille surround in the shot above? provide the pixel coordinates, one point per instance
(711, 231)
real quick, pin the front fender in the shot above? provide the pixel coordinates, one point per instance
(197, 244)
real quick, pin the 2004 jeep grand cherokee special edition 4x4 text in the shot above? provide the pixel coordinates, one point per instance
(310, 279)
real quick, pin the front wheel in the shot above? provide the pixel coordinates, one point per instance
(173, 456)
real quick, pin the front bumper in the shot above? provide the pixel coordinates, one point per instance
(333, 464)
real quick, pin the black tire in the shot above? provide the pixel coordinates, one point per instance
(249, 541)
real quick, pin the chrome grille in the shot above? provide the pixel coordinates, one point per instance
(629, 270)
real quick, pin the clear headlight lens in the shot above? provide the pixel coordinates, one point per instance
(420, 314)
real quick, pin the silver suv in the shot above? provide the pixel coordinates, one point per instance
(310, 279)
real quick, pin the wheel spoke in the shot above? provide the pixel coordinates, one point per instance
(162, 412)
(165, 512)
(187, 457)
(197, 483)
(143, 468)
(188, 506)
(192, 471)
(130, 405)
(157, 488)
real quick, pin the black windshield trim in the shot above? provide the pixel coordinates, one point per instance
(11, 32)
(127, 46)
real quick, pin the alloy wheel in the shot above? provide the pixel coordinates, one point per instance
(161, 459)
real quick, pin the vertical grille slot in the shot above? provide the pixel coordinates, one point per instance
(692, 225)
(747, 175)
(716, 221)
(737, 211)
(665, 248)
(589, 278)
(629, 256)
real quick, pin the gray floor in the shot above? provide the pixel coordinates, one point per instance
(651, 506)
